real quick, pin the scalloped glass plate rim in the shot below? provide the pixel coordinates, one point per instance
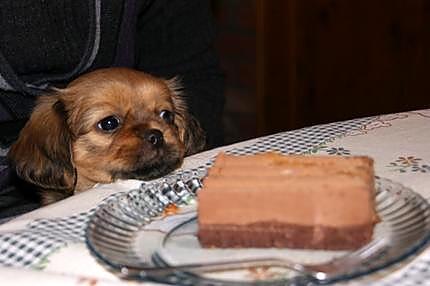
(413, 250)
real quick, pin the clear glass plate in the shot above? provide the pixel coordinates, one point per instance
(150, 234)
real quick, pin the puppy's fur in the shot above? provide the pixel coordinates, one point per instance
(109, 124)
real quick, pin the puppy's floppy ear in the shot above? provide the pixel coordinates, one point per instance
(42, 154)
(190, 131)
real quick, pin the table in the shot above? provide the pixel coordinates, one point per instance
(48, 244)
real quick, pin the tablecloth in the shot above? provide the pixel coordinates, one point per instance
(48, 244)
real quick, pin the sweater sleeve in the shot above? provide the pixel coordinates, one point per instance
(175, 38)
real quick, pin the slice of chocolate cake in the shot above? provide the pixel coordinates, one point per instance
(294, 201)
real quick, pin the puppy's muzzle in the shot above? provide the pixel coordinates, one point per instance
(154, 137)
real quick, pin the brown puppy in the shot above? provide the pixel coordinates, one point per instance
(109, 124)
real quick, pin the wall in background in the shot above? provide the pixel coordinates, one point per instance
(293, 63)
(236, 45)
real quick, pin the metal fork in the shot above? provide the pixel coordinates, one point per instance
(320, 272)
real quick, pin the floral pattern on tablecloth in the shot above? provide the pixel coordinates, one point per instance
(330, 150)
(409, 163)
(384, 121)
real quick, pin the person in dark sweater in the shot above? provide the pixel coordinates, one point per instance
(46, 44)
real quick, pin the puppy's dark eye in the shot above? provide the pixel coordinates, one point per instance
(167, 116)
(108, 124)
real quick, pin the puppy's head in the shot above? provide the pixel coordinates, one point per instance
(106, 125)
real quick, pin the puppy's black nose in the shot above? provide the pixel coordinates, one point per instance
(154, 137)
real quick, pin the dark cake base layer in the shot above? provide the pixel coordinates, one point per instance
(264, 235)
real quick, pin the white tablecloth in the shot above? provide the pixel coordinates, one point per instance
(47, 245)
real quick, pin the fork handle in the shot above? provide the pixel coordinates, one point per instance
(145, 271)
